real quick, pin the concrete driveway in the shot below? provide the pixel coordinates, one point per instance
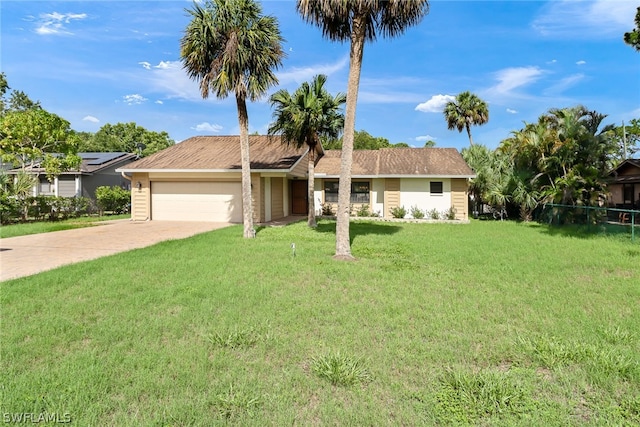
(27, 255)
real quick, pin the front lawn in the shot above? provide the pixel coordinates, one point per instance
(36, 227)
(491, 323)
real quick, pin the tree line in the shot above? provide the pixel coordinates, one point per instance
(565, 157)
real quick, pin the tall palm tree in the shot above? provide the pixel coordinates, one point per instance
(229, 46)
(357, 21)
(466, 110)
(302, 118)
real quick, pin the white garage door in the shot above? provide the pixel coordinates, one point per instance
(196, 201)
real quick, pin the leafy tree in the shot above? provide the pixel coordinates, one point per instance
(464, 111)
(124, 137)
(18, 100)
(303, 117)
(4, 87)
(627, 138)
(632, 38)
(430, 143)
(362, 140)
(229, 46)
(564, 158)
(357, 21)
(30, 136)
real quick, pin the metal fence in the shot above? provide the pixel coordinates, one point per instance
(593, 219)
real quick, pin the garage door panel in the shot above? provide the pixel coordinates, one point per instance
(196, 201)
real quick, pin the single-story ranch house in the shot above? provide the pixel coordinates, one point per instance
(96, 169)
(199, 179)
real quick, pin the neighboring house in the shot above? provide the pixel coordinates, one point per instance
(199, 179)
(96, 169)
(624, 185)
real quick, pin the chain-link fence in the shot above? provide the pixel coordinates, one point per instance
(592, 219)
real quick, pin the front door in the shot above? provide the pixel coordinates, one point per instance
(299, 197)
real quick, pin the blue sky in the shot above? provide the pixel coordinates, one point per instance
(104, 62)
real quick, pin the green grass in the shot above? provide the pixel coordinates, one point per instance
(491, 323)
(36, 227)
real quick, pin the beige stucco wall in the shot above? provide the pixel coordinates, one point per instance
(140, 198)
(460, 197)
(277, 198)
(391, 196)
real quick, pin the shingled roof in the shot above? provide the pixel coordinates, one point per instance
(394, 162)
(220, 153)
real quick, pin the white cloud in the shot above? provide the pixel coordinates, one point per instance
(512, 78)
(553, 61)
(435, 104)
(302, 74)
(134, 99)
(425, 138)
(145, 65)
(91, 119)
(169, 78)
(159, 102)
(207, 127)
(581, 62)
(55, 23)
(569, 18)
(163, 65)
(564, 84)
(512, 111)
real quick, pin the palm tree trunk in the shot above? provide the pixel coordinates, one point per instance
(311, 195)
(469, 133)
(247, 205)
(343, 244)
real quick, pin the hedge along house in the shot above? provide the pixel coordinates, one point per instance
(199, 179)
(96, 170)
(425, 178)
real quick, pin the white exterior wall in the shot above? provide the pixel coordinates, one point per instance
(415, 192)
(377, 196)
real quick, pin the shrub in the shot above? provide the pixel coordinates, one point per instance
(416, 212)
(398, 212)
(434, 214)
(9, 208)
(114, 199)
(364, 211)
(327, 209)
(40, 206)
(450, 213)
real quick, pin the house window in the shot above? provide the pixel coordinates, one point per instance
(359, 192)
(45, 186)
(628, 193)
(435, 187)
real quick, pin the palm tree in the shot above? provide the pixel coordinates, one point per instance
(466, 110)
(229, 46)
(302, 118)
(357, 21)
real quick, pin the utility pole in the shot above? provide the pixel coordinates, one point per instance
(624, 141)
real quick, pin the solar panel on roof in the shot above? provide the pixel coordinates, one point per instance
(96, 159)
